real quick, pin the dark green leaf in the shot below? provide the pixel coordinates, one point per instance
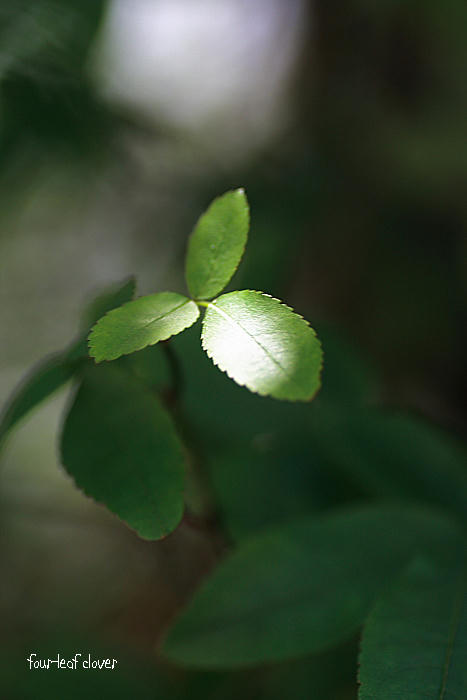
(262, 344)
(120, 446)
(415, 640)
(144, 321)
(150, 366)
(300, 588)
(393, 455)
(43, 381)
(51, 374)
(111, 298)
(266, 481)
(329, 675)
(347, 377)
(216, 245)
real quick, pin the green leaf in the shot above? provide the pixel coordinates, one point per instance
(268, 480)
(144, 321)
(216, 245)
(326, 676)
(55, 371)
(415, 640)
(300, 588)
(43, 381)
(111, 298)
(262, 344)
(348, 378)
(393, 455)
(120, 446)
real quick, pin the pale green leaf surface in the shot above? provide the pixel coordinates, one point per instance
(414, 644)
(300, 588)
(43, 381)
(216, 245)
(262, 344)
(144, 321)
(120, 446)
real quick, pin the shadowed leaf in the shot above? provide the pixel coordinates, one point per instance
(43, 381)
(300, 588)
(393, 455)
(120, 446)
(415, 640)
(111, 298)
(51, 374)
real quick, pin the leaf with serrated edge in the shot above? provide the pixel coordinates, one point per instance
(144, 321)
(216, 245)
(414, 642)
(120, 446)
(301, 587)
(263, 344)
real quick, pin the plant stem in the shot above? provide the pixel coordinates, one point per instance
(203, 510)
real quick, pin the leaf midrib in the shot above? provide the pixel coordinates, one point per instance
(212, 305)
(164, 315)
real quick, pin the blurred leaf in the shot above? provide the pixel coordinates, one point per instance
(216, 245)
(38, 36)
(347, 377)
(48, 100)
(300, 588)
(393, 455)
(111, 298)
(43, 381)
(415, 640)
(150, 366)
(324, 676)
(262, 344)
(51, 374)
(270, 480)
(121, 448)
(144, 321)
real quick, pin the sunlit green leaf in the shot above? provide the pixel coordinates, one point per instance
(216, 245)
(262, 344)
(300, 588)
(415, 640)
(120, 446)
(144, 321)
(43, 381)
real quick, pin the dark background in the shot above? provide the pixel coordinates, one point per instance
(346, 124)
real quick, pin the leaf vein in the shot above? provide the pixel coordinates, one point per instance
(164, 315)
(255, 340)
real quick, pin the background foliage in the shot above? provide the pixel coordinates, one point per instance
(358, 221)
